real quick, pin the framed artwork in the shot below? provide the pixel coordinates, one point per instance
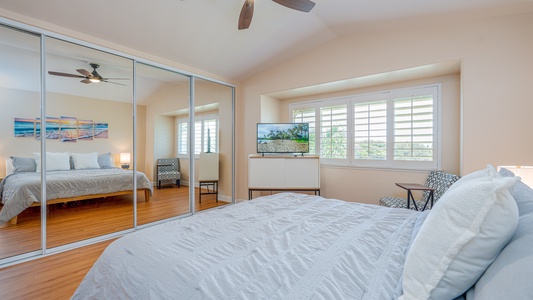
(101, 130)
(85, 130)
(68, 129)
(24, 127)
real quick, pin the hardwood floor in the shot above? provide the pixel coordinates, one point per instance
(57, 276)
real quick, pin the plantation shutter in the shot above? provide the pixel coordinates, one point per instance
(414, 126)
(197, 137)
(333, 131)
(182, 137)
(210, 135)
(307, 115)
(370, 130)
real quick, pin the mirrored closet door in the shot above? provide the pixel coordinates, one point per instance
(89, 143)
(20, 107)
(162, 146)
(213, 144)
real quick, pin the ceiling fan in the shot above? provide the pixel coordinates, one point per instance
(247, 10)
(88, 77)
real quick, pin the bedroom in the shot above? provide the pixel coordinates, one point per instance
(495, 73)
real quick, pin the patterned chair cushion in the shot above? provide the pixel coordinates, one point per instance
(168, 169)
(438, 180)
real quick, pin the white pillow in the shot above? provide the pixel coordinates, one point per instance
(462, 235)
(55, 161)
(85, 160)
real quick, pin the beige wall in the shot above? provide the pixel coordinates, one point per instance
(497, 68)
(26, 104)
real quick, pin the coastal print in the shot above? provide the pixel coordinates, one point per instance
(52, 128)
(68, 129)
(101, 130)
(24, 127)
(85, 130)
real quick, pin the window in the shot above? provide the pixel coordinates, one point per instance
(389, 129)
(205, 134)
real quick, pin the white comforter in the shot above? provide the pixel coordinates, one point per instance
(286, 246)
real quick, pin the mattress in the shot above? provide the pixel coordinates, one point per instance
(284, 246)
(20, 190)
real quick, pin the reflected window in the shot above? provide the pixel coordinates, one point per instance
(205, 134)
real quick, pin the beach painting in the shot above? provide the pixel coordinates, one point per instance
(68, 129)
(24, 127)
(52, 128)
(38, 128)
(85, 130)
(101, 130)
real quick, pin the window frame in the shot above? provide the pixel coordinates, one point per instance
(202, 119)
(434, 89)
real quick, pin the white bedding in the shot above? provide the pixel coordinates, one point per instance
(285, 246)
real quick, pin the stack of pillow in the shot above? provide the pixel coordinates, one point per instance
(463, 243)
(63, 161)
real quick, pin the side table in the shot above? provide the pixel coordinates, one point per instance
(416, 187)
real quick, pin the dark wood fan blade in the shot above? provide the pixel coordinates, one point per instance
(84, 72)
(65, 74)
(86, 81)
(247, 13)
(113, 82)
(301, 5)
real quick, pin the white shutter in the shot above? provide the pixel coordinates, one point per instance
(334, 132)
(370, 130)
(415, 126)
(183, 142)
(307, 115)
(210, 135)
(197, 137)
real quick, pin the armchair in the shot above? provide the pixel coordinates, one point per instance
(168, 169)
(438, 182)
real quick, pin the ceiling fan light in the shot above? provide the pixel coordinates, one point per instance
(95, 80)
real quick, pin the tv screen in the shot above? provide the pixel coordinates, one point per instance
(283, 138)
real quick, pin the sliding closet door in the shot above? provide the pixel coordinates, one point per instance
(213, 144)
(162, 144)
(19, 107)
(89, 115)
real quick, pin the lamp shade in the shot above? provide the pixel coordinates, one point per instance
(125, 158)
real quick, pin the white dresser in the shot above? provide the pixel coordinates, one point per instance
(283, 173)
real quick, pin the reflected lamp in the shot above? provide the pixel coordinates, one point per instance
(125, 159)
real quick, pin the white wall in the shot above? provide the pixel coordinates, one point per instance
(496, 72)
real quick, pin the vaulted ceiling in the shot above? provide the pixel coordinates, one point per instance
(203, 34)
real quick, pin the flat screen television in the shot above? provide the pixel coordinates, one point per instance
(283, 138)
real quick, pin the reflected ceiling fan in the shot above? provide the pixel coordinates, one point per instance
(89, 77)
(247, 10)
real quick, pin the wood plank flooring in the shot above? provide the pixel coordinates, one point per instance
(57, 276)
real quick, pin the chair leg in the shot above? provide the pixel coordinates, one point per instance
(178, 183)
(159, 184)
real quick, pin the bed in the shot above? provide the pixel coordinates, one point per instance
(22, 188)
(474, 244)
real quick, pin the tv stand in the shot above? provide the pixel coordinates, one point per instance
(283, 173)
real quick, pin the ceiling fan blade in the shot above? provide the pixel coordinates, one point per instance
(86, 81)
(301, 5)
(65, 74)
(247, 13)
(113, 82)
(104, 79)
(84, 72)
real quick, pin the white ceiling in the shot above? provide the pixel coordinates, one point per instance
(203, 34)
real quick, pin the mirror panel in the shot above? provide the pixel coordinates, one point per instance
(20, 105)
(89, 143)
(213, 117)
(162, 101)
